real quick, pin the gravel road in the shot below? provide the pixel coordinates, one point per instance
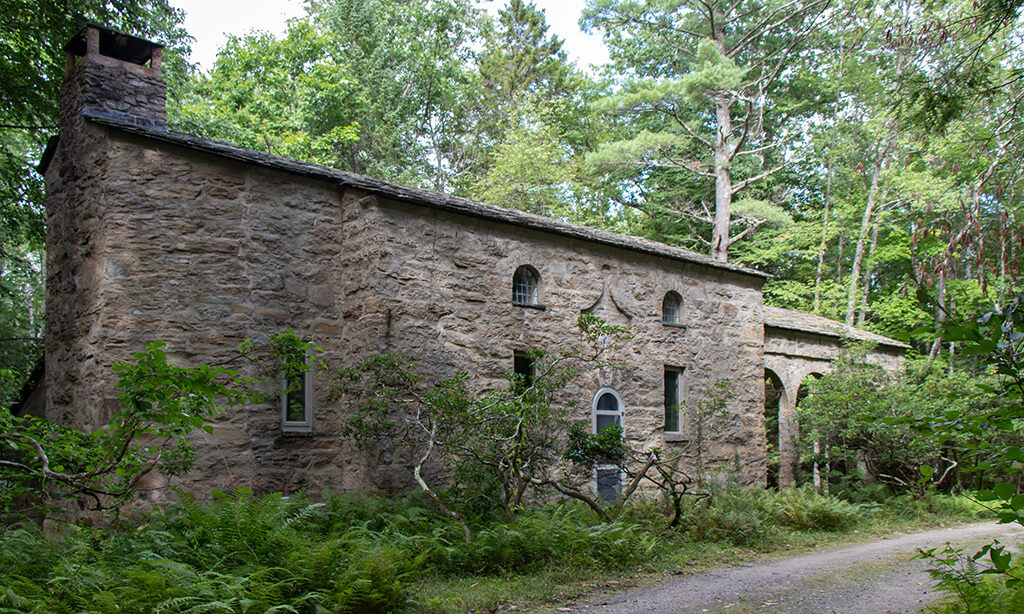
(875, 577)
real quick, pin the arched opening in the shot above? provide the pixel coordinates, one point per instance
(526, 286)
(773, 391)
(819, 463)
(805, 390)
(671, 308)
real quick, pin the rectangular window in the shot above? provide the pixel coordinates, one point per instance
(522, 366)
(673, 386)
(297, 401)
(608, 479)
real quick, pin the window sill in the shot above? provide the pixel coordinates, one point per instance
(674, 325)
(675, 437)
(297, 431)
(529, 306)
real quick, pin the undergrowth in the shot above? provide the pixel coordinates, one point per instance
(355, 553)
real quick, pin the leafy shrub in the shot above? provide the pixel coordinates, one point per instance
(740, 517)
(804, 510)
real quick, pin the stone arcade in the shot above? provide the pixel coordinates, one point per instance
(159, 235)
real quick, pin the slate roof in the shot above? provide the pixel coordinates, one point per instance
(415, 196)
(789, 319)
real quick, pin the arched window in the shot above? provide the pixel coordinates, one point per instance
(526, 286)
(671, 306)
(607, 410)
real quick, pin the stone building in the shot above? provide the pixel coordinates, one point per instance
(159, 235)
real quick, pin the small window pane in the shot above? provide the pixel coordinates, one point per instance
(670, 308)
(671, 400)
(607, 402)
(523, 367)
(608, 484)
(295, 399)
(604, 420)
(524, 286)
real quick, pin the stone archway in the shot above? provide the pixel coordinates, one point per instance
(799, 345)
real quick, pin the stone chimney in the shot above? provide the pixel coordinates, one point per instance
(113, 74)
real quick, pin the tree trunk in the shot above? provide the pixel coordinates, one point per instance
(723, 181)
(940, 315)
(863, 308)
(815, 471)
(865, 225)
(839, 255)
(824, 239)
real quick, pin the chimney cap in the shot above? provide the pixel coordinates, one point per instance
(113, 44)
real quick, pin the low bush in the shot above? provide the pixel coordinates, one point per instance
(740, 517)
(805, 510)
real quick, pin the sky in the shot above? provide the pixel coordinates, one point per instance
(210, 21)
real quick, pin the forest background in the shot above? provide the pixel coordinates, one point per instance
(857, 151)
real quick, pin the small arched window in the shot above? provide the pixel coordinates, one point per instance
(671, 306)
(526, 286)
(607, 408)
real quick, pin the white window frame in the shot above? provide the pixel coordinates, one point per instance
(306, 424)
(594, 413)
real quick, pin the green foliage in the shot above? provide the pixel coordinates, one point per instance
(754, 518)
(690, 95)
(245, 554)
(293, 97)
(860, 414)
(805, 510)
(998, 339)
(357, 553)
(509, 435)
(160, 404)
(585, 448)
(529, 170)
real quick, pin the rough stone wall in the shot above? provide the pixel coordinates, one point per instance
(77, 243)
(793, 355)
(74, 238)
(110, 85)
(151, 241)
(441, 290)
(203, 253)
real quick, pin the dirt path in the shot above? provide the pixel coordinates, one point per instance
(876, 577)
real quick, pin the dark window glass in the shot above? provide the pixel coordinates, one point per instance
(295, 399)
(607, 402)
(522, 366)
(672, 400)
(604, 420)
(670, 308)
(608, 484)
